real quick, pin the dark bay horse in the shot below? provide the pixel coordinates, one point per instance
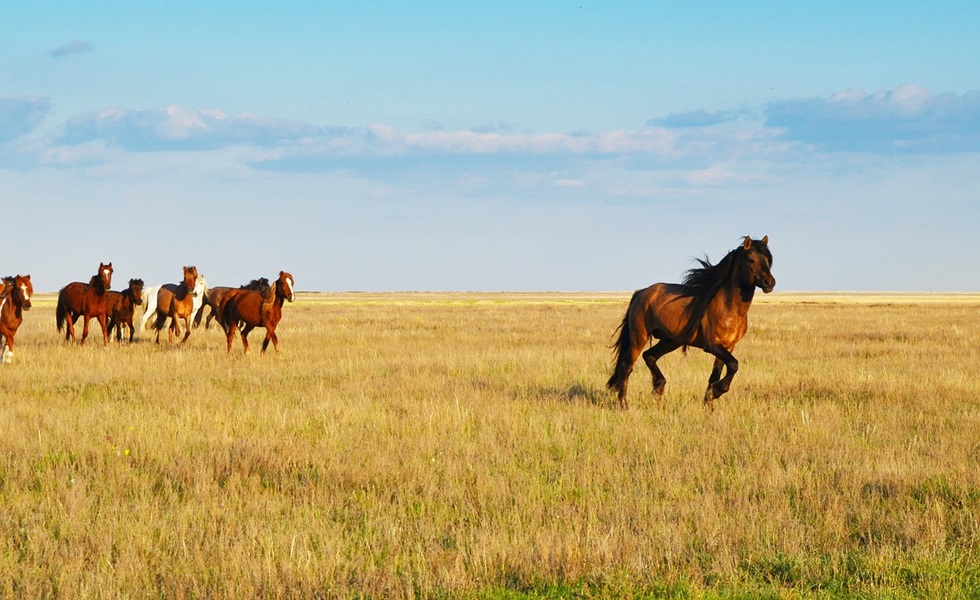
(16, 298)
(256, 309)
(709, 310)
(120, 307)
(86, 300)
(214, 297)
(176, 301)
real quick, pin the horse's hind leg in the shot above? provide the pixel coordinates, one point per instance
(651, 356)
(70, 327)
(247, 329)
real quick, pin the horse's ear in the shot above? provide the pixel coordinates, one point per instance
(747, 242)
(765, 241)
(282, 273)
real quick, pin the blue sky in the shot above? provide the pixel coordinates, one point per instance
(491, 146)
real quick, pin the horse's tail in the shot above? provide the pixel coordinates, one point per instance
(61, 311)
(227, 314)
(161, 320)
(622, 349)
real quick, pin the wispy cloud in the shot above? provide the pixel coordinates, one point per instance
(745, 146)
(72, 47)
(21, 114)
(905, 119)
(179, 129)
(696, 118)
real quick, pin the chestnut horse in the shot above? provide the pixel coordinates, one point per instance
(120, 306)
(709, 310)
(84, 300)
(215, 296)
(256, 309)
(16, 298)
(176, 301)
(150, 300)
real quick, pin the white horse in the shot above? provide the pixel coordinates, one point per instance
(150, 300)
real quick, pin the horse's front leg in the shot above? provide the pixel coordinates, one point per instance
(187, 329)
(174, 328)
(718, 385)
(8, 349)
(105, 329)
(85, 321)
(270, 335)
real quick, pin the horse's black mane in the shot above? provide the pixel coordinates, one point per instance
(261, 284)
(701, 284)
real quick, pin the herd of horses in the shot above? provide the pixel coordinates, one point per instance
(256, 304)
(708, 310)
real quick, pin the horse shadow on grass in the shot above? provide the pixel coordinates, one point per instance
(577, 393)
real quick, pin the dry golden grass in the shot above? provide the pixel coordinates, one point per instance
(423, 445)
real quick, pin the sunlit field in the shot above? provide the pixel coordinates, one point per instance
(463, 445)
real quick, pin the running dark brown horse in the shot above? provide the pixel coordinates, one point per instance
(15, 299)
(709, 310)
(256, 309)
(176, 301)
(86, 300)
(121, 306)
(214, 297)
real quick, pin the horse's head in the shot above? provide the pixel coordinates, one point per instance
(22, 291)
(190, 280)
(136, 290)
(757, 264)
(285, 286)
(201, 287)
(105, 275)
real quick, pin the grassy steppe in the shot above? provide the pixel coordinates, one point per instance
(425, 445)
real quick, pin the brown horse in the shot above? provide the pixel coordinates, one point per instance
(15, 299)
(214, 297)
(120, 306)
(176, 301)
(256, 309)
(84, 300)
(708, 311)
